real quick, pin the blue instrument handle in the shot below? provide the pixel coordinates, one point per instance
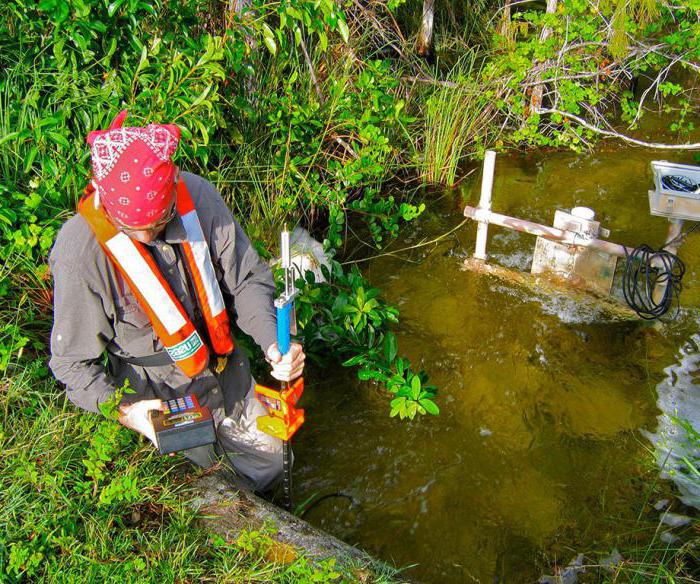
(284, 321)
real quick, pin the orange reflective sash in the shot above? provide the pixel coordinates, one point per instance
(173, 326)
(201, 269)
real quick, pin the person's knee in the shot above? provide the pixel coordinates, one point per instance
(268, 473)
(203, 456)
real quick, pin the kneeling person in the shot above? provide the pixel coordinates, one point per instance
(148, 273)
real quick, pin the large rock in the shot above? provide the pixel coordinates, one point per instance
(675, 438)
(228, 512)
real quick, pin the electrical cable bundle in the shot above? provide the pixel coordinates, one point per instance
(645, 269)
(680, 183)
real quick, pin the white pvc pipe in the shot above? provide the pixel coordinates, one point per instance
(482, 229)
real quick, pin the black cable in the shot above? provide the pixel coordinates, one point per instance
(647, 269)
(681, 236)
(679, 183)
(287, 480)
(324, 498)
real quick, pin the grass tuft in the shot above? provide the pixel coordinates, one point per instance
(458, 119)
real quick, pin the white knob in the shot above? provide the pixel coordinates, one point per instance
(583, 213)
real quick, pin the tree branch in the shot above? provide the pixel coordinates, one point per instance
(613, 134)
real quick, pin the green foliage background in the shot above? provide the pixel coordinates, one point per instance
(309, 111)
(278, 142)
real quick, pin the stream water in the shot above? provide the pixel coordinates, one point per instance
(538, 453)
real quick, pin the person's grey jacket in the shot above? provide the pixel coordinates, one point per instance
(99, 325)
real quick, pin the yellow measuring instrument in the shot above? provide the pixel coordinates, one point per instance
(283, 418)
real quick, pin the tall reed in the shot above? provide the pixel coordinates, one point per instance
(457, 119)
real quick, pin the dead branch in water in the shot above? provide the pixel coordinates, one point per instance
(614, 134)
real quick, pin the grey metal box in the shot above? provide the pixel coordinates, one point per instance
(664, 202)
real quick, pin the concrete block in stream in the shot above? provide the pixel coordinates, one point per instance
(228, 511)
(597, 306)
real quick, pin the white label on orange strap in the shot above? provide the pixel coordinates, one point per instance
(150, 287)
(202, 259)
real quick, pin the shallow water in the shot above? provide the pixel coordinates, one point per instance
(537, 454)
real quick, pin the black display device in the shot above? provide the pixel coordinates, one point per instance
(183, 424)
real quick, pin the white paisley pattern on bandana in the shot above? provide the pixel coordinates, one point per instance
(108, 147)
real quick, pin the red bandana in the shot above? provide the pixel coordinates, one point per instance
(133, 172)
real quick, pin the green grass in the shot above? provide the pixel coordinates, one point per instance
(458, 118)
(646, 557)
(83, 499)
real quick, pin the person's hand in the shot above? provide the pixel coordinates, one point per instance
(290, 366)
(136, 416)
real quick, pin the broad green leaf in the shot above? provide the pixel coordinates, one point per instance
(202, 96)
(369, 305)
(356, 320)
(430, 406)
(8, 216)
(49, 122)
(372, 293)
(415, 387)
(343, 29)
(29, 161)
(294, 13)
(411, 409)
(203, 131)
(269, 39)
(113, 7)
(59, 139)
(390, 347)
(356, 360)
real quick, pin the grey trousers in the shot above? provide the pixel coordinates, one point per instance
(255, 456)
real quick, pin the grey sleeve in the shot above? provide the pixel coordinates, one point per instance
(81, 331)
(246, 278)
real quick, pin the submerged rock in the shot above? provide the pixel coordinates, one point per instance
(568, 575)
(612, 561)
(675, 520)
(662, 504)
(676, 439)
(668, 538)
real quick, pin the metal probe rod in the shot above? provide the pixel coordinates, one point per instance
(287, 468)
(284, 305)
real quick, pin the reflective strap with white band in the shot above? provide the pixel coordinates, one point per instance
(202, 259)
(149, 285)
